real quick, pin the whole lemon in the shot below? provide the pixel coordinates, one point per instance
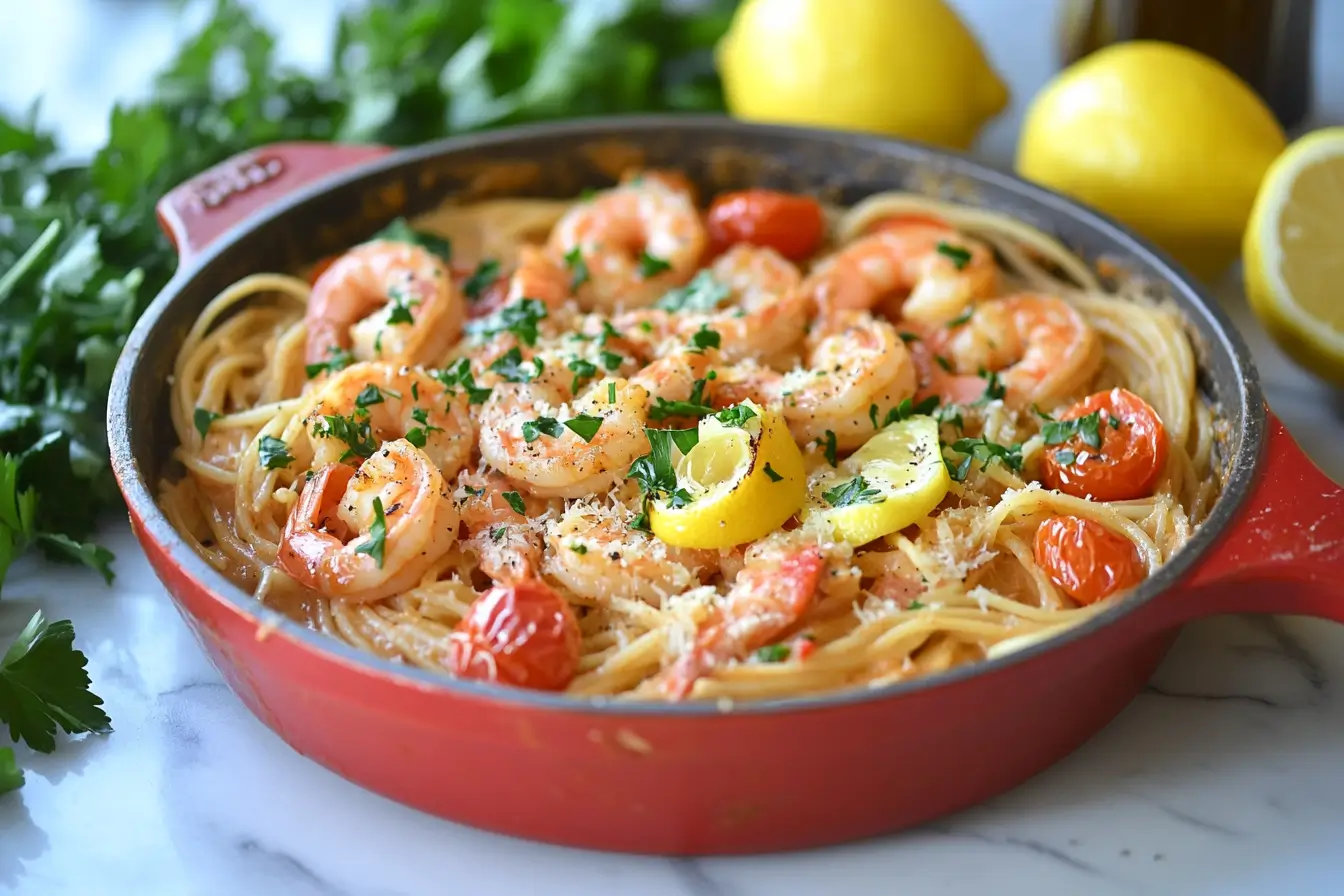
(1166, 140)
(908, 68)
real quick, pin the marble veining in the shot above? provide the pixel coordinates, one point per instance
(1223, 777)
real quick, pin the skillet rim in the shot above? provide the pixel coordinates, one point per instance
(1249, 416)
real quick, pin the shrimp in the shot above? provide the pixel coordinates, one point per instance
(537, 276)
(778, 583)
(372, 402)
(523, 435)
(636, 241)
(769, 311)
(366, 534)
(1042, 347)
(932, 267)
(385, 299)
(936, 380)
(594, 553)
(857, 370)
(506, 544)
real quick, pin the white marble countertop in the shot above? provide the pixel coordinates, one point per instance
(1223, 777)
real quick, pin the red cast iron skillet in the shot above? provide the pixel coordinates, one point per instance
(693, 778)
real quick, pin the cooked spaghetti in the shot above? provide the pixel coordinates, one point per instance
(625, 447)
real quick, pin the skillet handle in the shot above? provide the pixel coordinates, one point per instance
(196, 212)
(1285, 553)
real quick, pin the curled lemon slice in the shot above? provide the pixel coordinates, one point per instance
(895, 479)
(740, 482)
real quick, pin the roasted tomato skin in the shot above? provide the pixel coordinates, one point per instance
(1128, 462)
(1085, 559)
(792, 225)
(524, 635)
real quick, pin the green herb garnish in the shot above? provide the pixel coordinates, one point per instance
(704, 338)
(519, 318)
(985, 452)
(703, 293)
(651, 265)
(203, 418)
(1087, 428)
(960, 257)
(578, 268)
(513, 368)
(774, 477)
(515, 501)
(340, 359)
(854, 491)
(273, 453)
(486, 272)
(377, 539)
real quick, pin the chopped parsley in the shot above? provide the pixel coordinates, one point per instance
(985, 452)
(583, 370)
(854, 491)
(962, 318)
(611, 393)
(693, 406)
(519, 318)
(943, 363)
(608, 333)
(908, 337)
(203, 418)
(578, 268)
(773, 653)
(703, 293)
(651, 265)
(371, 395)
(960, 257)
(419, 435)
(515, 501)
(542, 426)
(684, 439)
(827, 443)
(951, 415)
(994, 388)
(513, 368)
(905, 410)
(656, 475)
(353, 431)
(1087, 428)
(399, 310)
(737, 415)
(579, 549)
(585, 426)
(399, 231)
(486, 273)
(340, 359)
(458, 374)
(914, 605)
(497, 534)
(610, 360)
(377, 535)
(774, 477)
(704, 338)
(1065, 457)
(274, 453)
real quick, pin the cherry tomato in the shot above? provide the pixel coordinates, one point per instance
(792, 225)
(321, 268)
(523, 635)
(1085, 559)
(1129, 460)
(801, 648)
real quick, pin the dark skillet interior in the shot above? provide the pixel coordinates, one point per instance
(561, 160)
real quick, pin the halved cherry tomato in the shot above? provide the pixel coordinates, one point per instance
(524, 635)
(1129, 460)
(321, 268)
(792, 225)
(1085, 559)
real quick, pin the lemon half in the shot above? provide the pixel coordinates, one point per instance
(896, 478)
(744, 480)
(1294, 247)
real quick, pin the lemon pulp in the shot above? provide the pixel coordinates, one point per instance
(896, 478)
(1293, 246)
(743, 481)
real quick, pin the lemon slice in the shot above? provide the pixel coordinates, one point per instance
(744, 478)
(1294, 248)
(895, 479)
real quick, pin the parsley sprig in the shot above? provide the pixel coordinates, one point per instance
(984, 452)
(519, 317)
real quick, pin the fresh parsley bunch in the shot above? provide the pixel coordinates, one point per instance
(81, 254)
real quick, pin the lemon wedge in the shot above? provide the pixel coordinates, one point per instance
(740, 482)
(1293, 248)
(895, 479)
